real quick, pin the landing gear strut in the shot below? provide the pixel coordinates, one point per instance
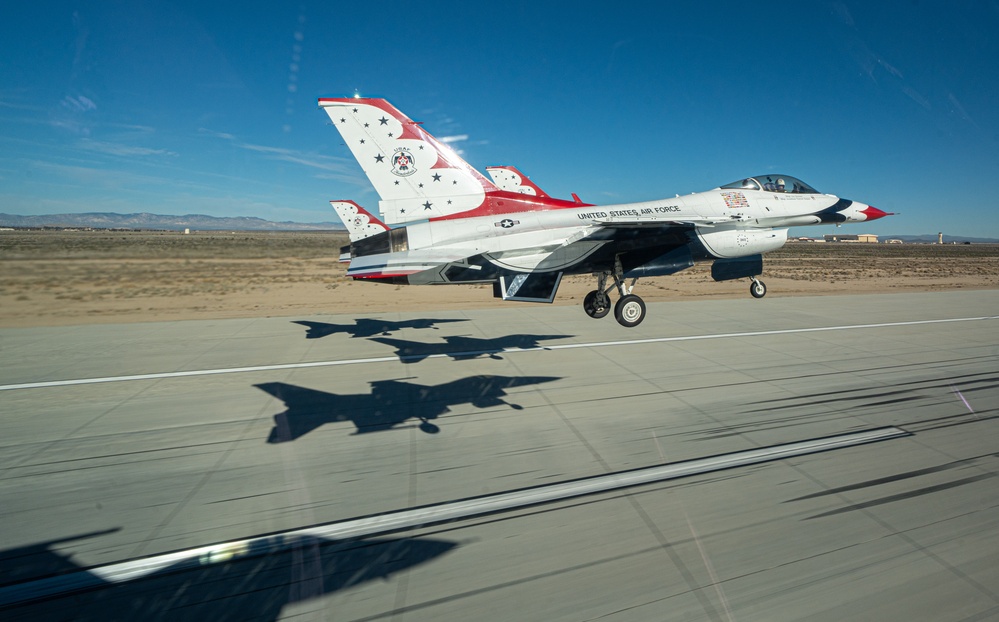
(629, 310)
(758, 289)
(597, 303)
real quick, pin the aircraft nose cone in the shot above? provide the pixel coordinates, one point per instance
(873, 213)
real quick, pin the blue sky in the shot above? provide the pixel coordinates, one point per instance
(191, 107)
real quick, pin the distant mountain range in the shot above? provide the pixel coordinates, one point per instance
(108, 220)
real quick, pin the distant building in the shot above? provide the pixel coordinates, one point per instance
(893, 241)
(866, 238)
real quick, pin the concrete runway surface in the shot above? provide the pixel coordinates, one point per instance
(128, 442)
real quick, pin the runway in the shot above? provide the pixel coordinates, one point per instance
(129, 441)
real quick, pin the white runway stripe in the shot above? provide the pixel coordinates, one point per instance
(383, 359)
(421, 517)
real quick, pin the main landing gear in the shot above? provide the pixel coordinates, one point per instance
(629, 310)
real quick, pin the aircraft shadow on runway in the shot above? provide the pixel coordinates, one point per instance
(390, 404)
(367, 327)
(463, 348)
(254, 583)
(29, 562)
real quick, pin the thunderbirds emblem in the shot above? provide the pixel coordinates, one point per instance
(403, 164)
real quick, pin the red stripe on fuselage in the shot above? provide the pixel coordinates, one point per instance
(504, 202)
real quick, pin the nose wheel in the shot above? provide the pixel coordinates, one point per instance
(758, 289)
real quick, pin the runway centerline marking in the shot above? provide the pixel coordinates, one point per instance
(419, 357)
(404, 520)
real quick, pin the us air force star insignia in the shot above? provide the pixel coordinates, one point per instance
(506, 223)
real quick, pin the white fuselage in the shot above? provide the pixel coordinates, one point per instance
(729, 224)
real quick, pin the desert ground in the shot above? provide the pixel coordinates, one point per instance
(57, 278)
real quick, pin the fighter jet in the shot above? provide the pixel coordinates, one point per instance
(443, 222)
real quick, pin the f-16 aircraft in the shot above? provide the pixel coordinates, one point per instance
(459, 227)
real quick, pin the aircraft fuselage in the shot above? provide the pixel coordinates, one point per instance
(555, 237)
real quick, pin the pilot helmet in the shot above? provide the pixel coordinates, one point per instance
(780, 182)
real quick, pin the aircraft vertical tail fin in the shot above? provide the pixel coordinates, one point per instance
(360, 222)
(416, 176)
(509, 178)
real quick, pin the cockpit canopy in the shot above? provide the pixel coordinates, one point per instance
(772, 183)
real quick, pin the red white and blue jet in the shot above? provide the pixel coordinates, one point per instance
(444, 222)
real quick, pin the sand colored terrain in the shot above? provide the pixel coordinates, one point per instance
(53, 278)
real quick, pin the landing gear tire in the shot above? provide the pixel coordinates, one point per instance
(629, 311)
(596, 304)
(758, 289)
(429, 428)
